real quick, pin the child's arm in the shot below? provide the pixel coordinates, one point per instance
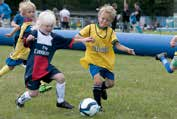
(173, 41)
(124, 48)
(79, 38)
(12, 33)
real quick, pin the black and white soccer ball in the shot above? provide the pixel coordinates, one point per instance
(88, 107)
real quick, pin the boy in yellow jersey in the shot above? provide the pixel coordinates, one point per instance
(20, 52)
(99, 56)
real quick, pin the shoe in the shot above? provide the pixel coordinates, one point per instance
(43, 88)
(101, 109)
(163, 54)
(104, 94)
(64, 105)
(23, 65)
(19, 105)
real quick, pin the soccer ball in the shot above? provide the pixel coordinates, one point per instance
(88, 107)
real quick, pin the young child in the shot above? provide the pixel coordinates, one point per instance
(17, 24)
(170, 67)
(20, 53)
(43, 44)
(99, 55)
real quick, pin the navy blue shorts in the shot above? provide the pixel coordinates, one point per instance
(105, 73)
(35, 84)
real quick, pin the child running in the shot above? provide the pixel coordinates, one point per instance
(43, 44)
(99, 56)
(17, 24)
(170, 67)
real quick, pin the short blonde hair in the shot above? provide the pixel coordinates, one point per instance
(24, 6)
(108, 9)
(46, 18)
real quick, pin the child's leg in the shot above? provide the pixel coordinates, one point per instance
(5, 69)
(27, 95)
(108, 83)
(165, 62)
(97, 91)
(20, 101)
(60, 91)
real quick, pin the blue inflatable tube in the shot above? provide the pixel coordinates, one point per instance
(3, 39)
(143, 44)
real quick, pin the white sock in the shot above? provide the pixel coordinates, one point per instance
(60, 92)
(24, 97)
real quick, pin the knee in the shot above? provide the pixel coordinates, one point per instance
(60, 78)
(110, 84)
(11, 67)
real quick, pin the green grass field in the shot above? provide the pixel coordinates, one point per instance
(143, 90)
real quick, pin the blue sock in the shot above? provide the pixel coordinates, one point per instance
(166, 64)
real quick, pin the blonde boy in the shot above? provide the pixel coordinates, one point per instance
(43, 44)
(99, 56)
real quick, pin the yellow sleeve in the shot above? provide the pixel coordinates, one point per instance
(114, 38)
(85, 32)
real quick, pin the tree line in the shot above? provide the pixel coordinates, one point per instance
(149, 7)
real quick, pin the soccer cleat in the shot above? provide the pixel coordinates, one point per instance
(19, 105)
(64, 105)
(43, 88)
(104, 94)
(101, 109)
(163, 54)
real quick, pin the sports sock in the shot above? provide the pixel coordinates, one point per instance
(166, 64)
(24, 97)
(97, 94)
(60, 92)
(4, 70)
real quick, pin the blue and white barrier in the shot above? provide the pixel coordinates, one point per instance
(143, 44)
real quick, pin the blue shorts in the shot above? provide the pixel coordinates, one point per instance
(105, 73)
(35, 84)
(12, 62)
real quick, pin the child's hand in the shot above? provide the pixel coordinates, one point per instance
(30, 38)
(131, 51)
(172, 43)
(88, 39)
(8, 35)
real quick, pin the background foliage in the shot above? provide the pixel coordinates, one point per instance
(149, 7)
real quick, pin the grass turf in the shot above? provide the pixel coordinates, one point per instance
(143, 90)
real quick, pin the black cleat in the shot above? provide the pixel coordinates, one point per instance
(101, 109)
(104, 94)
(64, 105)
(158, 56)
(19, 105)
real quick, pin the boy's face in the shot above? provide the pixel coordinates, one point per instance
(45, 28)
(29, 13)
(104, 19)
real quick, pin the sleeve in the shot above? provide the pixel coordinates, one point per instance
(60, 42)
(26, 34)
(15, 19)
(85, 32)
(114, 38)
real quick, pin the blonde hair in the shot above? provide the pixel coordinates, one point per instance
(46, 18)
(108, 9)
(24, 6)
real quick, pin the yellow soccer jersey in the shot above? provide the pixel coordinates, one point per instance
(20, 51)
(100, 52)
